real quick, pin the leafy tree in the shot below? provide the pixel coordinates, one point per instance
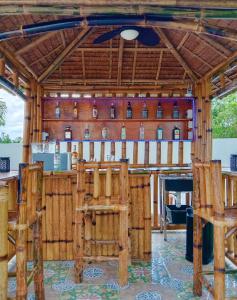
(3, 110)
(5, 138)
(224, 117)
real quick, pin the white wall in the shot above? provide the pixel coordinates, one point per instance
(14, 151)
(222, 148)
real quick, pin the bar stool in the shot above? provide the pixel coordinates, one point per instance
(86, 205)
(27, 217)
(209, 206)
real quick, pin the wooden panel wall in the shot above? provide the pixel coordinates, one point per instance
(59, 191)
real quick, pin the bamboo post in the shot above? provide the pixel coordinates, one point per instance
(155, 202)
(170, 153)
(102, 151)
(80, 150)
(158, 152)
(112, 150)
(15, 78)
(146, 156)
(38, 113)
(181, 154)
(123, 150)
(135, 152)
(26, 130)
(219, 262)
(219, 205)
(147, 218)
(197, 255)
(2, 66)
(92, 154)
(96, 192)
(78, 217)
(108, 185)
(21, 240)
(3, 242)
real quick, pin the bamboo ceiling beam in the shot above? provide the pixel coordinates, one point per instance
(110, 58)
(120, 60)
(198, 57)
(63, 38)
(127, 49)
(83, 65)
(134, 62)
(45, 56)
(23, 69)
(35, 43)
(67, 51)
(159, 67)
(176, 54)
(184, 39)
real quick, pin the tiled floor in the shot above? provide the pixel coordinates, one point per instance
(167, 277)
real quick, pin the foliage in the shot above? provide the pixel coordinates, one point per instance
(224, 117)
(5, 139)
(3, 110)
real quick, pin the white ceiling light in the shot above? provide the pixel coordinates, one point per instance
(129, 34)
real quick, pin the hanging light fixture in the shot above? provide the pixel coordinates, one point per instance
(129, 34)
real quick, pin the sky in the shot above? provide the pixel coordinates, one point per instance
(14, 116)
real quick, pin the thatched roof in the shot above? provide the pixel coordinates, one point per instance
(69, 58)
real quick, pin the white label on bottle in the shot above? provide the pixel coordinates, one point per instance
(176, 134)
(159, 134)
(74, 160)
(67, 135)
(123, 134)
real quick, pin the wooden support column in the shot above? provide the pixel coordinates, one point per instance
(2, 65)
(26, 130)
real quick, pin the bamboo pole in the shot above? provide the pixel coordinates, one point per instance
(92, 154)
(26, 130)
(155, 202)
(135, 152)
(158, 152)
(2, 66)
(102, 151)
(219, 262)
(80, 150)
(3, 242)
(146, 156)
(123, 150)
(197, 256)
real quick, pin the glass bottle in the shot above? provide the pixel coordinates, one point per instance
(87, 133)
(141, 132)
(176, 133)
(94, 111)
(74, 158)
(57, 111)
(159, 111)
(75, 111)
(68, 133)
(123, 132)
(129, 111)
(145, 111)
(175, 114)
(159, 133)
(112, 111)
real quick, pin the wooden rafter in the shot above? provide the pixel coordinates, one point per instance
(198, 57)
(127, 49)
(159, 67)
(110, 58)
(63, 38)
(217, 47)
(67, 51)
(176, 54)
(134, 62)
(83, 65)
(45, 56)
(34, 43)
(120, 60)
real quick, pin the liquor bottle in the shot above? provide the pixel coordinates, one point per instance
(123, 132)
(75, 111)
(87, 133)
(68, 133)
(159, 133)
(94, 111)
(159, 111)
(129, 111)
(57, 157)
(175, 111)
(176, 133)
(141, 132)
(112, 111)
(145, 111)
(105, 133)
(57, 111)
(74, 158)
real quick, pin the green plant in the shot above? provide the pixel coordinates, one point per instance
(3, 110)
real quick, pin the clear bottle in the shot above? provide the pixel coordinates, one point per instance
(74, 158)
(68, 133)
(123, 132)
(159, 111)
(129, 111)
(175, 114)
(145, 111)
(112, 111)
(87, 133)
(176, 133)
(75, 111)
(57, 157)
(141, 132)
(159, 133)
(94, 111)
(57, 111)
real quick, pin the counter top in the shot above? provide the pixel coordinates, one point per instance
(8, 175)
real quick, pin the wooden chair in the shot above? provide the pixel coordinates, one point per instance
(89, 204)
(27, 217)
(209, 206)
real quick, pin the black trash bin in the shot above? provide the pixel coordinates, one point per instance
(207, 235)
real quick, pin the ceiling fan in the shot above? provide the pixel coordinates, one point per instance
(144, 35)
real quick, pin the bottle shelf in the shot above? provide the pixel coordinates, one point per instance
(117, 120)
(119, 140)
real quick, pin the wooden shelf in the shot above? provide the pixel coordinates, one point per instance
(119, 140)
(117, 120)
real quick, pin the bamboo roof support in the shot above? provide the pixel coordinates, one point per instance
(110, 58)
(198, 57)
(184, 39)
(2, 66)
(67, 51)
(36, 42)
(120, 60)
(83, 65)
(217, 47)
(176, 54)
(159, 67)
(134, 62)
